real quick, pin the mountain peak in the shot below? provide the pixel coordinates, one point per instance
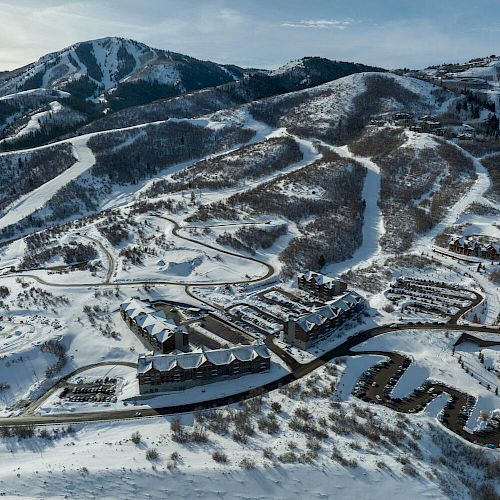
(89, 68)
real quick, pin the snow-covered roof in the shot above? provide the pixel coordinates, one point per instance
(319, 278)
(330, 310)
(495, 247)
(187, 361)
(473, 244)
(134, 307)
(154, 322)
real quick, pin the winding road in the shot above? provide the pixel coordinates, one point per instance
(297, 369)
(108, 281)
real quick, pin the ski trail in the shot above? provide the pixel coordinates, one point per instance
(36, 199)
(373, 224)
(474, 194)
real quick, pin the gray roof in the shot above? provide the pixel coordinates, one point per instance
(166, 362)
(319, 278)
(330, 310)
(134, 307)
(154, 322)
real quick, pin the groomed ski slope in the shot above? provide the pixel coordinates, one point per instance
(36, 199)
(474, 194)
(373, 225)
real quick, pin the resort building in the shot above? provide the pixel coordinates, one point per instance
(472, 248)
(305, 330)
(161, 373)
(320, 285)
(153, 328)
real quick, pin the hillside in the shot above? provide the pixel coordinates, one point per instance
(479, 76)
(332, 113)
(291, 228)
(103, 83)
(89, 69)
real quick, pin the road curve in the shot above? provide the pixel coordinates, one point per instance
(270, 271)
(34, 405)
(298, 371)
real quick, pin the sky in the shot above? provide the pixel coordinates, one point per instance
(261, 33)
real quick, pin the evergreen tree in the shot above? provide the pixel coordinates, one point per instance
(321, 261)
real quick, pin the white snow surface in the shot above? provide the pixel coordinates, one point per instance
(373, 224)
(37, 198)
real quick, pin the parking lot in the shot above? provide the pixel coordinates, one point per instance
(433, 298)
(98, 391)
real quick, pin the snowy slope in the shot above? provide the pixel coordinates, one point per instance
(107, 61)
(36, 199)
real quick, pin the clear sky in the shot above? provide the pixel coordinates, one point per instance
(261, 33)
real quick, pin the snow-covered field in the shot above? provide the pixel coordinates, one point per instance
(79, 309)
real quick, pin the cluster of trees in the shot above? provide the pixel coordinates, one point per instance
(251, 239)
(59, 350)
(418, 184)
(76, 112)
(72, 254)
(299, 114)
(20, 173)
(38, 297)
(337, 215)
(115, 233)
(224, 171)
(379, 89)
(185, 106)
(127, 160)
(78, 196)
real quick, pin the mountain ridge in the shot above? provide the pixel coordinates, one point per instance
(106, 75)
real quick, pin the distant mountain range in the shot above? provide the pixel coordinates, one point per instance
(103, 76)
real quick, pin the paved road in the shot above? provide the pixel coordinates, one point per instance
(34, 405)
(270, 271)
(298, 371)
(376, 385)
(109, 256)
(176, 232)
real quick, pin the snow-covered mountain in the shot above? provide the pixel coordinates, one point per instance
(89, 68)
(480, 76)
(104, 76)
(205, 204)
(311, 71)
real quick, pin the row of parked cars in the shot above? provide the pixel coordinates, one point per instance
(103, 389)
(425, 389)
(98, 390)
(368, 378)
(465, 412)
(93, 398)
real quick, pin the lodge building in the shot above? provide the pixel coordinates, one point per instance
(152, 327)
(174, 372)
(323, 287)
(306, 330)
(472, 248)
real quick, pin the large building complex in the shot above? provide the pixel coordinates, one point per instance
(305, 330)
(324, 287)
(153, 328)
(472, 248)
(163, 373)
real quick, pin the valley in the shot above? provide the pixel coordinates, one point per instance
(291, 272)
